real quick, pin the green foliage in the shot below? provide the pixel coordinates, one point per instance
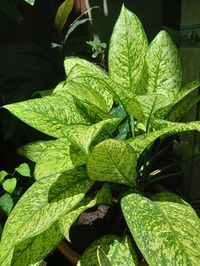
(62, 13)
(102, 124)
(10, 188)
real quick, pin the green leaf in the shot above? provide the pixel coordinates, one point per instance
(59, 157)
(30, 2)
(161, 230)
(103, 197)
(51, 115)
(6, 203)
(42, 205)
(84, 136)
(34, 150)
(102, 258)
(117, 249)
(139, 143)
(9, 185)
(163, 66)
(37, 248)
(23, 170)
(82, 71)
(128, 46)
(3, 174)
(113, 161)
(62, 14)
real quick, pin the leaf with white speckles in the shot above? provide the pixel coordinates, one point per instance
(113, 161)
(34, 150)
(163, 66)
(51, 115)
(128, 46)
(139, 143)
(42, 205)
(59, 157)
(162, 232)
(117, 249)
(37, 248)
(84, 136)
(78, 69)
(104, 196)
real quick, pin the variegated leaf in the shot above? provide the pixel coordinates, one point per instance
(84, 136)
(117, 249)
(43, 204)
(162, 232)
(51, 115)
(103, 197)
(139, 143)
(34, 150)
(37, 248)
(128, 46)
(163, 66)
(102, 258)
(113, 161)
(77, 69)
(59, 157)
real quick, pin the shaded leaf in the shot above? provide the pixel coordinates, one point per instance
(6, 203)
(161, 231)
(9, 185)
(113, 161)
(128, 46)
(117, 249)
(59, 157)
(23, 170)
(102, 258)
(103, 197)
(37, 248)
(43, 204)
(62, 14)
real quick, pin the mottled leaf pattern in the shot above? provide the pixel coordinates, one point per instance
(161, 230)
(37, 248)
(117, 249)
(102, 258)
(128, 46)
(139, 143)
(43, 204)
(59, 157)
(163, 66)
(103, 197)
(52, 115)
(34, 150)
(112, 161)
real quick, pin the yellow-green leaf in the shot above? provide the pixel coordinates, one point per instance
(62, 14)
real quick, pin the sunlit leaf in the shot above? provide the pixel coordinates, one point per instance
(9, 185)
(23, 170)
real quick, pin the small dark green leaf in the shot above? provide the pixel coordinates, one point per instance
(102, 258)
(6, 203)
(23, 170)
(62, 14)
(10, 184)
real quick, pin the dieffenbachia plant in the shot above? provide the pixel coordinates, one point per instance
(101, 124)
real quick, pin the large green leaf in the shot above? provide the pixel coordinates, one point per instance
(62, 14)
(163, 66)
(34, 249)
(139, 143)
(162, 232)
(43, 204)
(84, 136)
(117, 249)
(113, 161)
(128, 46)
(34, 150)
(52, 115)
(103, 197)
(59, 157)
(78, 70)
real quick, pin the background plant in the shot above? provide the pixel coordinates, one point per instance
(102, 123)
